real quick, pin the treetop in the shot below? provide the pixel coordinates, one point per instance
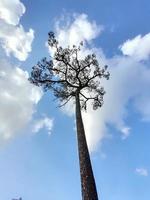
(68, 75)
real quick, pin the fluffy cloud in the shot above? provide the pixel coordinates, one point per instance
(138, 47)
(130, 80)
(45, 122)
(18, 97)
(127, 82)
(11, 11)
(142, 171)
(13, 38)
(17, 100)
(81, 29)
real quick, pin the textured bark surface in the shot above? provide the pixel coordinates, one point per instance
(88, 185)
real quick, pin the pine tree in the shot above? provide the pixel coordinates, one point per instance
(72, 78)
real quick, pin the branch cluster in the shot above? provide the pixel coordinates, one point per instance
(67, 74)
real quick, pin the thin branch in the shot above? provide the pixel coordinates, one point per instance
(61, 105)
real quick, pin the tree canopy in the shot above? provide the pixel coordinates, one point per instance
(66, 73)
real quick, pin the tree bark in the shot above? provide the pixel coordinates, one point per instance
(88, 185)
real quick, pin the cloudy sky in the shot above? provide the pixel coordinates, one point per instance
(38, 149)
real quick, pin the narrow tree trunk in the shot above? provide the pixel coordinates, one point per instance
(88, 185)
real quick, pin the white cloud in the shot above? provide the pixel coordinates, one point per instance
(13, 38)
(126, 132)
(45, 122)
(138, 47)
(16, 41)
(17, 100)
(141, 171)
(81, 29)
(11, 11)
(129, 82)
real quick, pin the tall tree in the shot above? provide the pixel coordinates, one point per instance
(72, 78)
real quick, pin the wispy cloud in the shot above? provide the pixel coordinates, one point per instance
(141, 171)
(44, 122)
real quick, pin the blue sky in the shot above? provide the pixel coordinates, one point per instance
(38, 149)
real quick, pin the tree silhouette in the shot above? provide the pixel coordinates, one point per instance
(72, 78)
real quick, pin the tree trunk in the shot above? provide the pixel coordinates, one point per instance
(88, 185)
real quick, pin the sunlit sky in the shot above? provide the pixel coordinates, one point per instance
(38, 147)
